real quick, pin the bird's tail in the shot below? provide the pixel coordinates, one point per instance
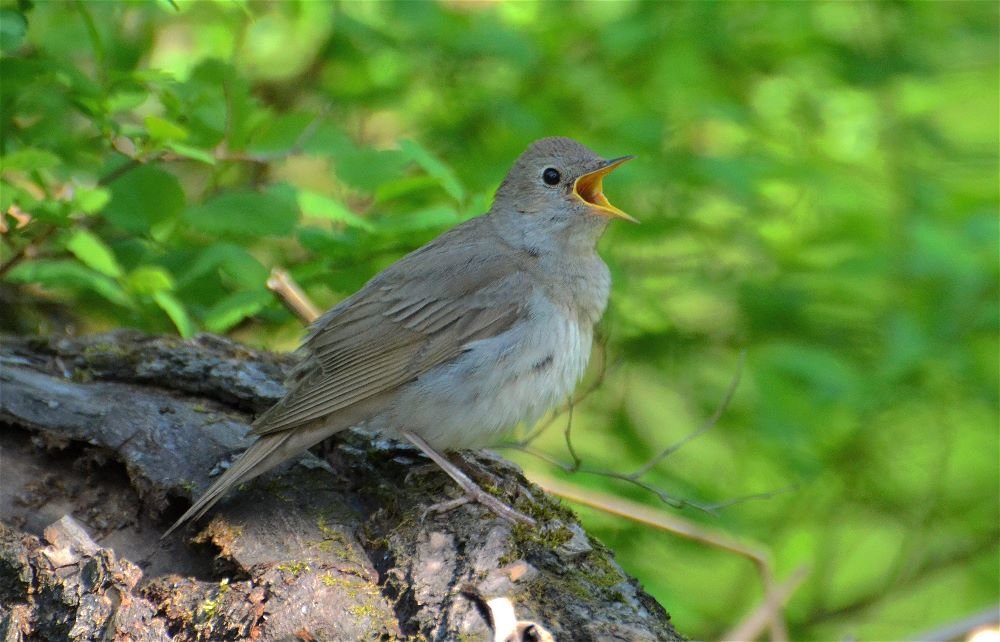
(265, 453)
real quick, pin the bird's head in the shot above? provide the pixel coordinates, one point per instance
(556, 188)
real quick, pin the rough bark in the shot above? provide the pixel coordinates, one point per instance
(104, 440)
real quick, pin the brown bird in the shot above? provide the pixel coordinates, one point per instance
(488, 325)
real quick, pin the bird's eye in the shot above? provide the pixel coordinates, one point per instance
(551, 176)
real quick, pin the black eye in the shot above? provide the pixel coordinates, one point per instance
(551, 176)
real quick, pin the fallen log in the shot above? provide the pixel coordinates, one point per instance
(104, 440)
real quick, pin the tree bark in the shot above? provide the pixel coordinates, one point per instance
(104, 440)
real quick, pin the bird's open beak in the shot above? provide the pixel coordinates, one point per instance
(589, 189)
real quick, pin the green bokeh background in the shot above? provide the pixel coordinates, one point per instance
(818, 189)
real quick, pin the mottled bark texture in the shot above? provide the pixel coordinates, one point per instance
(106, 439)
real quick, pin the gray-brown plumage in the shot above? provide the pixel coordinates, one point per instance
(488, 325)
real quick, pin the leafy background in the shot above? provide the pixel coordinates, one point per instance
(817, 184)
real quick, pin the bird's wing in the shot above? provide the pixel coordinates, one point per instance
(417, 314)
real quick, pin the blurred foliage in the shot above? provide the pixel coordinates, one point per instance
(817, 184)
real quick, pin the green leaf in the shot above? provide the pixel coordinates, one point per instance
(319, 205)
(218, 98)
(29, 159)
(150, 279)
(194, 153)
(10, 194)
(143, 197)
(427, 218)
(234, 308)
(326, 139)
(233, 260)
(93, 253)
(164, 130)
(175, 310)
(280, 134)
(434, 167)
(13, 27)
(246, 214)
(322, 241)
(52, 211)
(368, 168)
(478, 203)
(71, 275)
(91, 199)
(125, 100)
(404, 187)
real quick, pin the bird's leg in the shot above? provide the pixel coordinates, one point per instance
(444, 507)
(479, 471)
(472, 490)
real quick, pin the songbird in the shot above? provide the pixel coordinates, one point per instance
(488, 325)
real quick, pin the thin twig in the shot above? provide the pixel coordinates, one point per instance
(227, 118)
(774, 595)
(29, 248)
(660, 494)
(308, 130)
(622, 507)
(119, 171)
(577, 462)
(635, 478)
(769, 611)
(281, 283)
(708, 424)
(714, 508)
(26, 250)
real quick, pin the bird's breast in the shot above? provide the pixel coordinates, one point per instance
(498, 382)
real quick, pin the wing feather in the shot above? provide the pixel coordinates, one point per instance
(403, 323)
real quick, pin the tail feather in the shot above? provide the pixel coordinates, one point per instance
(265, 453)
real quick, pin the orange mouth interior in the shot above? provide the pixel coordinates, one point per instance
(590, 189)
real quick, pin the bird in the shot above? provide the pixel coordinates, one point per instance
(487, 326)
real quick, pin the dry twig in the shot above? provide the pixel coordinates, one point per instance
(775, 595)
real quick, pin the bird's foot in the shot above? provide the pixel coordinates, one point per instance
(472, 490)
(417, 471)
(480, 496)
(481, 473)
(444, 507)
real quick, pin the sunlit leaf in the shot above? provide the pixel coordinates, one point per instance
(318, 205)
(28, 159)
(93, 253)
(194, 153)
(164, 130)
(235, 308)
(125, 100)
(403, 187)
(368, 168)
(91, 199)
(71, 275)
(150, 279)
(175, 310)
(422, 219)
(434, 167)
